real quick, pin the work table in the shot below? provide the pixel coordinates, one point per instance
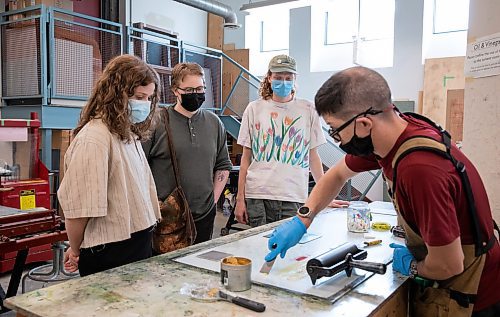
(151, 288)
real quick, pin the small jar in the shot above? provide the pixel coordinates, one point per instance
(358, 216)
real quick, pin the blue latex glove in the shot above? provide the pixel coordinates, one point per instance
(284, 237)
(401, 259)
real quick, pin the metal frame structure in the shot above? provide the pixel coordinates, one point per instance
(188, 50)
(65, 116)
(52, 14)
(58, 117)
(168, 43)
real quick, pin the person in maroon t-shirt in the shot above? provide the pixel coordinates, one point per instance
(431, 199)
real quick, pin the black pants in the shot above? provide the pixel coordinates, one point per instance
(110, 255)
(205, 227)
(492, 311)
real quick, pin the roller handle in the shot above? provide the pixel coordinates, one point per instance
(248, 303)
(379, 268)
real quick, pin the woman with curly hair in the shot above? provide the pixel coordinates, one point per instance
(280, 135)
(108, 194)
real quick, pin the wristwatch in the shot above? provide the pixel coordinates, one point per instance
(413, 269)
(304, 212)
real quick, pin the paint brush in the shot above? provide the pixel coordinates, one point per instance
(267, 266)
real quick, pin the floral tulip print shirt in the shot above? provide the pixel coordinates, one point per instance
(280, 136)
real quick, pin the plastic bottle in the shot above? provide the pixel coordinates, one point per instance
(226, 208)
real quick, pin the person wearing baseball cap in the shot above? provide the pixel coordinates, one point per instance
(279, 134)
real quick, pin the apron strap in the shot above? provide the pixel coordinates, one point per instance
(463, 299)
(443, 148)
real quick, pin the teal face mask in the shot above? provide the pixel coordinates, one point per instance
(139, 110)
(282, 88)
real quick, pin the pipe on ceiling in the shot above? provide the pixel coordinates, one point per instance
(217, 8)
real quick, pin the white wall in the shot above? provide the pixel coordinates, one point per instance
(189, 22)
(482, 107)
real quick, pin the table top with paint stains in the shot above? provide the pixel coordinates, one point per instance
(152, 288)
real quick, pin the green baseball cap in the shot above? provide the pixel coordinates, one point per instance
(283, 63)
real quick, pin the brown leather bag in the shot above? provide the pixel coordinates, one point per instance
(176, 229)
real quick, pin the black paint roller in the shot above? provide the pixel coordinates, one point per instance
(343, 258)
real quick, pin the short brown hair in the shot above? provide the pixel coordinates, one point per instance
(352, 91)
(181, 70)
(109, 98)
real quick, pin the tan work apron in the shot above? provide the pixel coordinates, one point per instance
(437, 302)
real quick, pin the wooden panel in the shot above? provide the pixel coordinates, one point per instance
(60, 141)
(455, 114)
(420, 105)
(440, 75)
(215, 36)
(23, 157)
(229, 75)
(229, 47)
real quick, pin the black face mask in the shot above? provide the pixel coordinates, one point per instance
(192, 102)
(358, 146)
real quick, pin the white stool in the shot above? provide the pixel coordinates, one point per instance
(57, 274)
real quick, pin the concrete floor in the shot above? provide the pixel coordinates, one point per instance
(220, 222)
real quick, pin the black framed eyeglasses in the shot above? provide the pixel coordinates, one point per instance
(334, 133)
(191, 90)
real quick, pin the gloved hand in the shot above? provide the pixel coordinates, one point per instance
(284, 237)
(401, 258)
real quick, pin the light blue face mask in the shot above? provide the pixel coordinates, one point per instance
(282, 88)
(139, 110)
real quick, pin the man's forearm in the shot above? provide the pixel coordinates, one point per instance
(220, 180)
(75, 228)
(442, 262)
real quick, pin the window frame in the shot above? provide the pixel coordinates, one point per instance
(434, 21)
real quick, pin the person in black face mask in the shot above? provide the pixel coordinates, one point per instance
(439, 196)
(356, 146)
(199, 141)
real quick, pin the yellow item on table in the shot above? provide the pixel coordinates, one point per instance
(381, 226)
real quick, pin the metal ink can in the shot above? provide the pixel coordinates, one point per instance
(235, 273)
(358, 216)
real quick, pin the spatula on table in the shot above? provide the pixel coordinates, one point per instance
(267, 266)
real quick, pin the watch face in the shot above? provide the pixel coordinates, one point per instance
(304, 211)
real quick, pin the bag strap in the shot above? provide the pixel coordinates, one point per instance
(443, 148)
(173, 157)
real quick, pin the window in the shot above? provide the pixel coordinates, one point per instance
(355, 32)
(450, 16)
(348, 20)
(274, 34)
(445, 27)
(376, 19)
(341, 22)
(267, 34)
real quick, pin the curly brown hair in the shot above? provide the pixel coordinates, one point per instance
(109, 98)
(266, 90)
